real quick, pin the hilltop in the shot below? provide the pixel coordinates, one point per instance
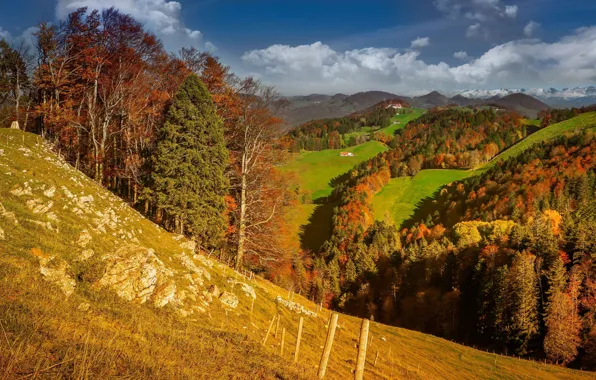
(316, 106)
(89, 288)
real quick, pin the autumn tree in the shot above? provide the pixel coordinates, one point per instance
(190, 162)
(15, 65)
(255, 156)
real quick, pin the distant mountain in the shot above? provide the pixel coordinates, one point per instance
(566, 97)
(316, 106)
(433, 99)
(522, 103)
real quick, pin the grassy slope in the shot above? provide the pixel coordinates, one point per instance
(403, 119)
(317, 169)
(45, 335)
(397, 201)
(401, 196)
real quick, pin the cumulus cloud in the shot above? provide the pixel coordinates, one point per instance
(210, 47)
(531, 28)
(462, 55)
(162, 17)
(488, 16)
(521, 63)
(474, 30)
(511, 11)
(420, 42)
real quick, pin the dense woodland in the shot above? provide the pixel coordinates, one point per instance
(503, 260)
(331, 133)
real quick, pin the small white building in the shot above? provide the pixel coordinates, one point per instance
(394, 106)
(346, 154)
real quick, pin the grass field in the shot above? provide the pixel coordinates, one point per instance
(48, 335)
(317, 169)
(403, 119)
(399, 199)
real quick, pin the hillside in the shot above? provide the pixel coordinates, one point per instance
(401, 196)
(312, 107)
(88, 288)
(522, 103)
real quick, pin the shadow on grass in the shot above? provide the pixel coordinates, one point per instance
(318, 229)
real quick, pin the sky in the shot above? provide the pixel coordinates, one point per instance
(329, 46)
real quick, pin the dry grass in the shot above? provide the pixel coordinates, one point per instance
(45, 335)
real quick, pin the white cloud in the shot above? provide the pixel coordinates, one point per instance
(210, 47)
(490, 17)
(4, 34)
(162, 17)
(531, 28)
(521, 63)
(474, 30)
(420, 42)
(461, 55)
(511, 11)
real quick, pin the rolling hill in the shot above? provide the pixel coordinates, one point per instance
(317, 106)
(91, 289)
(400, 198)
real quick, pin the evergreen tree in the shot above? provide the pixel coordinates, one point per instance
(522, 296)
(190, 161)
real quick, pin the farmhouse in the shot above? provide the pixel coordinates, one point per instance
(395, 106)
(346, 154)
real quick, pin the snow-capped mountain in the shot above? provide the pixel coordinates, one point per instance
(566, 97)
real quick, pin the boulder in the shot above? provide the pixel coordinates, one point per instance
(189, 244)
(50, 192)
(229, 300)
(136, 274)
(248, 290)
(56, 271)
(10, 216)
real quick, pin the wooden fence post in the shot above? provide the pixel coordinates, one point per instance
(298, 339)
(283, 340)
(268, 330)
(276, 326)
(361, 360)
(328, 345)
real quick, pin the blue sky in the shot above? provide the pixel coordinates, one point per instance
(334, 46)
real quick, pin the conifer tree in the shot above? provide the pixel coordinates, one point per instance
(190, 162)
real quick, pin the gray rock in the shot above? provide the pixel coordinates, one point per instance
(229, 300)
(137, 274)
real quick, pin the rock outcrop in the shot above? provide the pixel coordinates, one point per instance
(137, 274)
(229, 299)
(294, 306)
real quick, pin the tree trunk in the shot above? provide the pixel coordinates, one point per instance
(242, 219)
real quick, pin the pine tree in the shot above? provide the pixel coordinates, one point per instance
(523, 300)
(190, 161)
